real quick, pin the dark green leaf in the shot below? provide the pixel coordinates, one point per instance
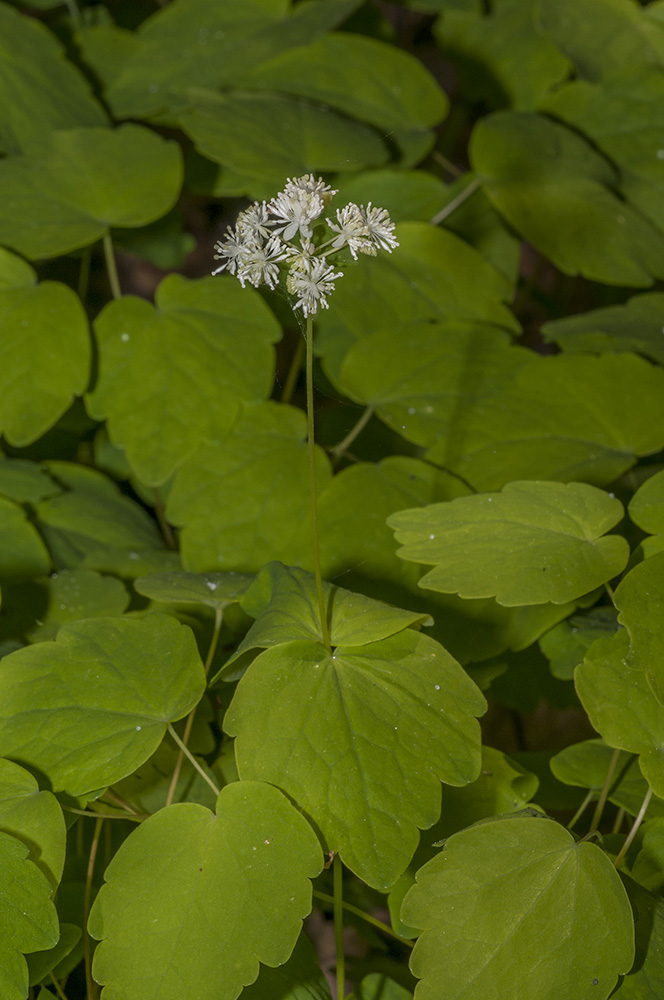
(636, 326)
(646, 979)
(22, 551)
(25, 482)
(40, 963)
(301, 978)
(216, 590)
(586, 765)
(75, 594)
(553, 187)
(646, 508)
(406, 194)
(89, 708)
(484, 901)
(360, 738)
(248, 869)
(567, 643)
(532, 543)
(174, 376)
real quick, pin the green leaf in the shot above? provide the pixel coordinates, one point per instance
(646, 979)
(25, 482)
(636, 326)
(92, 516)
(284, 602)
(22, 551)
(28, 921)
(40, 963)
(247, 868)
(148, 787)
(14, 272)
(646, 508)
(647, 867)
(40, 90)
(376, 986)
(89, 708)
(173, 376)
(532, 543)
(245, 500)
(484, 901)
(301, 978)
(373, 81)
(210, 43)
(164, 243)
(406, 194)
(477, 222)
(132, 176)
(566, 643)
(501, 58)
(624, 119)
(268, 137)
(621, 681)
(215, 590)
(72, 595)
(602, 37)
(586, 765)
(33, 817)
(553, 187)
(359, 739)
(432, 276)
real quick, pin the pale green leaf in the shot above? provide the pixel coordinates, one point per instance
(558, 192)
(44, 356)
(22, 551)
(28, 921)
(637, 326)
(246, 500)
(53, 205)
(215, 590)
(284, 602)
(173, 376)
(485, 900)
(621, 681)
(360, 739)
(501, 58)
(372, 81)
(40, 89)
(432, 276)
(89, 708)
(246, 869)
(534, 542)
(586, 765)
(646, 508)
(33, 817)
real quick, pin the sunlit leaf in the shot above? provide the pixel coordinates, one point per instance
(532, 543)
(484, 901)
(247, 868)
(33, 817)
(89, 708)
(360, 739)
(173, 376)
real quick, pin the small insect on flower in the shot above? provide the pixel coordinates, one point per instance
(287, 232)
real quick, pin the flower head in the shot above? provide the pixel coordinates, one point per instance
(270, 236)
(311, 282)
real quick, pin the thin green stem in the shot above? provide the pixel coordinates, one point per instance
(322, 611)
(610, 592)
(192, 760)
(132, 817)
(637, 823)
(164, 526)
(57, 987)
(456, 202)
(447, 164)
(116, 800)
(604, 794)
(90, 986)
(218, 616)
(620, 815)
(293, 371)
(338, 914)
(353, 433)
(374, 921)
(580, 811)
(111, 266)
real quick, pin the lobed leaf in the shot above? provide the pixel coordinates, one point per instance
(191, 893)
(34, 817)
(515, 908)
(215, 590)
(174, 376)
(90, 707)
(635, 326)
(532, 543)
(22, 551)
(360, 738)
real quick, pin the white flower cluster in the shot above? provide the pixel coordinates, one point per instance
(264, 234)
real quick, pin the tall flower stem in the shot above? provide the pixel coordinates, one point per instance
(311, 443)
